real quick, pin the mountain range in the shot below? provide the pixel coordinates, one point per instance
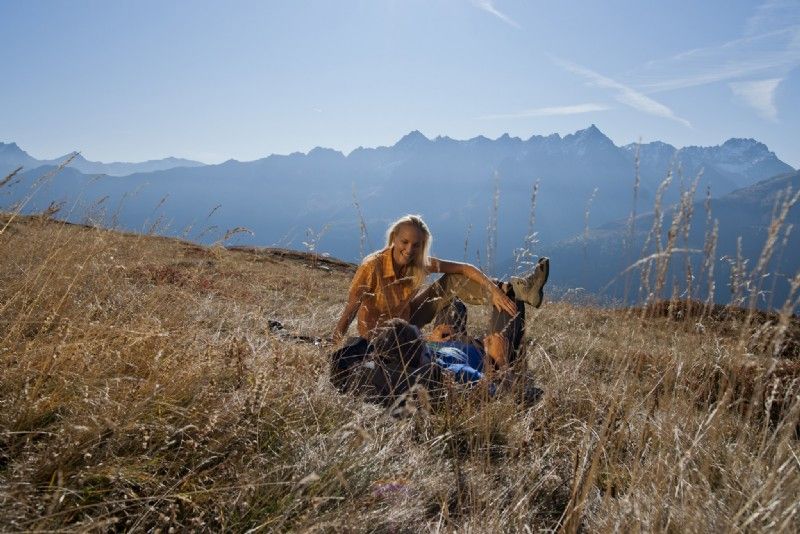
(12, 156)
(320, 199)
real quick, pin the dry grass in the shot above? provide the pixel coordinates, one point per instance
(143, 387)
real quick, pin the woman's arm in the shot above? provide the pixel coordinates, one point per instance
(499, 299)
(355, 296)
(348, 314)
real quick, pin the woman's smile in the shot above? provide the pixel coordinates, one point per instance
(406, 244)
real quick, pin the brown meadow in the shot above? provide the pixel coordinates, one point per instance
(153, 384)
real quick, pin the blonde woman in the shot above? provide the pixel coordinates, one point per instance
(389, 284)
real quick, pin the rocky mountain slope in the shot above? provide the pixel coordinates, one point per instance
(744, 218)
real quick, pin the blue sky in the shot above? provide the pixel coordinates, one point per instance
(130, 81)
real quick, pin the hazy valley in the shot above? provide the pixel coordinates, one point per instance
(340, 204)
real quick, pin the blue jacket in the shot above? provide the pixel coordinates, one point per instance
(464, 360)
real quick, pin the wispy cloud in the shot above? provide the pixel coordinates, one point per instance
(732, 46)
(488, 6)
(772, 53)
(760, 95)
(623, 93)
(549, 111)
(768, 48)
(773, 14)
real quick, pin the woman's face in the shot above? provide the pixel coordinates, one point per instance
(406, 245)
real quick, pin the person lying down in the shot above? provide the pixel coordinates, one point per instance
(403, 359)
(397, 357)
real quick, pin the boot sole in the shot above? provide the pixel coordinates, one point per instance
(545, 265)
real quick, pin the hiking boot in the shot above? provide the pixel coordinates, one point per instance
(530, 288)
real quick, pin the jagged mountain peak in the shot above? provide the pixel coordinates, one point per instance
(479, 139)
(740, 142)
(652, 145)
(732, 146)
(412, 139)
(11, 148)
(12, 156)
(587, 141)
(552, 138)
(745, 149)
(592, 134)
(591, 130)
(507, 139)
(325, 152)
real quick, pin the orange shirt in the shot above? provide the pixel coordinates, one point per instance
(384, 296)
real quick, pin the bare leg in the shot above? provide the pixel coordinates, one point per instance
(505, 333)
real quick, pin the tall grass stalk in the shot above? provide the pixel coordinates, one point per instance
(631, 235)
(491, 228)
(466, 240)
(783, 204)
(709, 253)
(362, 227)
(524, 256)
(681, 218)
(586, 213)
(10, 176)
(776, 275)
(37, 185)
(654, 236)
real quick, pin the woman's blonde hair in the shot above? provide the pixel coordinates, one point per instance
(419, 269)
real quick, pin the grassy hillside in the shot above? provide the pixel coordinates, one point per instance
(145, 384)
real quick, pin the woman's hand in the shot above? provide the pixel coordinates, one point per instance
(501, 301)
(337, 336)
